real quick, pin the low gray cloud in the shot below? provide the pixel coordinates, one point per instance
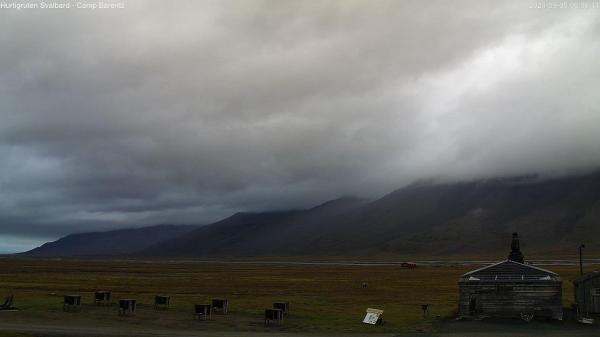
(187, 111)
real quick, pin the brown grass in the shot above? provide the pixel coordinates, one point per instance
(322, 298)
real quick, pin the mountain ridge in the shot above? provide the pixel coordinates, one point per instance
(436, 219)
(113, 242)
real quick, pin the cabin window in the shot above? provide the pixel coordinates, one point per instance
(595, 291)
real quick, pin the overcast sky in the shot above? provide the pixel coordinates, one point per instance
(188, 111)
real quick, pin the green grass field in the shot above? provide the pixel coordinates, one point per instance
(322, 298)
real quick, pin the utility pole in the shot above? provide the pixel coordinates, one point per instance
(581, 258)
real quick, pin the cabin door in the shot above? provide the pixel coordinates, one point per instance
(474, 305)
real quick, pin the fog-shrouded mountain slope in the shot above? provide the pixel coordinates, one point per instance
(116, 242)
(267, 233)
(552, 216)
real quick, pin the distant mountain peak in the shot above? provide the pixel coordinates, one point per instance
(470, 217)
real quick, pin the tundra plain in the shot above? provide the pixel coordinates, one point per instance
(324, 298)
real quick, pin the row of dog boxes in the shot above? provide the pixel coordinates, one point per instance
(275, 314)
(160, 301)
(72, 302)
(128, 306)
(104, 297)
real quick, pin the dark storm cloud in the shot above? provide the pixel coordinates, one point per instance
(183, 112)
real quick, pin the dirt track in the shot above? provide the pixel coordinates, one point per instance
(57, 330)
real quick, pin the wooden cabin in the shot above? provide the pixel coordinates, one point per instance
(511, 289)
(587, 293)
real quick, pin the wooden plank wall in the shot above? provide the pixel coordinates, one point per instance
(584, 298)
(510, 299)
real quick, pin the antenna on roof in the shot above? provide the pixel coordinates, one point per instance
(515, 249)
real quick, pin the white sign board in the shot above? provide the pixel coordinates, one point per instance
(372, 316)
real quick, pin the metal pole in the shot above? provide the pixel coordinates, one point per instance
(581, 258)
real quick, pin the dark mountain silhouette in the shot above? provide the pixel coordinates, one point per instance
(267, 233)
(552, 217)
(116, 242)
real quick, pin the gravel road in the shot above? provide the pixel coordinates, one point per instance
(84, 331)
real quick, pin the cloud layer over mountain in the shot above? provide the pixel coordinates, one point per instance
(184, 112)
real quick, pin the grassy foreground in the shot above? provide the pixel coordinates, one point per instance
(322, 298)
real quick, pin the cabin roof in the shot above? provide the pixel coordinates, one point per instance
(508, 270)
(586, 277)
